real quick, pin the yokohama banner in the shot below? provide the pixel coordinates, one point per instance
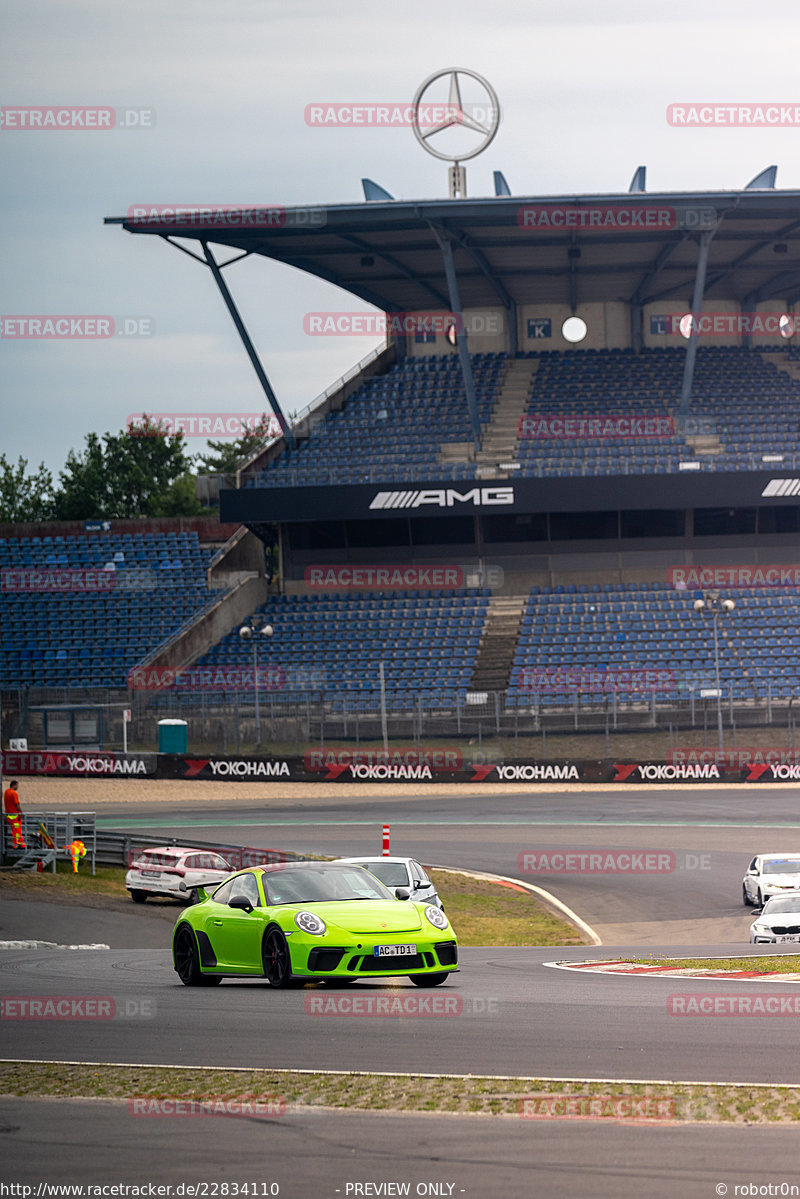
(411, 764)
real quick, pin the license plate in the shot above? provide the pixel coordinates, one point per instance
(151, 874)
(790, 937)
(394, 951)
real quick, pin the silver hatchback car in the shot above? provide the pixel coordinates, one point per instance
(401, 872)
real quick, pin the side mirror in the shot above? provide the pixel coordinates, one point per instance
(240, 903)
(402, 893)
(182, 886)
(419, 883)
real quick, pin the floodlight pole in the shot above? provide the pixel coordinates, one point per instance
(446, 247)
(697, 307)
(288, 435)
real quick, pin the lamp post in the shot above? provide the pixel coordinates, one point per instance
(716, 606)
(256, 627)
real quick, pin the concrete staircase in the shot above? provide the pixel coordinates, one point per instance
(498, 645)
(501, 436)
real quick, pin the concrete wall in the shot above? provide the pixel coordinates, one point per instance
(233, 608)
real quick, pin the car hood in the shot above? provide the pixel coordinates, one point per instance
(367, 916)
(778, 918)
(781, 880)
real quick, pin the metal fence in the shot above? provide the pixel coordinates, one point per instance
(240, 722)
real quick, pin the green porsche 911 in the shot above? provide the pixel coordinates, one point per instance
(302, 921)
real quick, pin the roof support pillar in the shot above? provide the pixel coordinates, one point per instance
(635, 312)
(272, 399)
(697, 308)
(461, 334)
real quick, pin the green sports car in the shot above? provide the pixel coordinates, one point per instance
(303, 921)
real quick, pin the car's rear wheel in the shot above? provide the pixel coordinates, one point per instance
(187, 962)
(427, 980)
(277, 959)
(138, 896)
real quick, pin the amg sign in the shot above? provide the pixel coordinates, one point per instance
(443, 497)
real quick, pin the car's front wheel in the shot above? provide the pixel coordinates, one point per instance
(187, 961)
(427, 980)
(746, 900)
(277, 959)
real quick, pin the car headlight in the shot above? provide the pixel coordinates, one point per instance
(309, 922)
(763, 929)
(436, 917)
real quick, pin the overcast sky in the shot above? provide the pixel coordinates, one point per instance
(584, 88)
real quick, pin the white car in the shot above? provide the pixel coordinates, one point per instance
(171, 870)
(778, 922)
(770, 874)
(401, 872)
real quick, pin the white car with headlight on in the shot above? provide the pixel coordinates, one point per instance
(778, 922)
(400, 872)
(771, 874)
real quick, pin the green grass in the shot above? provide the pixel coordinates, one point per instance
(485, 913)
(109, 880)
(780, 963)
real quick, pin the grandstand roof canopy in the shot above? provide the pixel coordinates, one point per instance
(637, 248)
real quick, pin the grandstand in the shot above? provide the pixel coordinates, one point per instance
(473, 449)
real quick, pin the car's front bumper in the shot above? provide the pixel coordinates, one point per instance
(434, 956)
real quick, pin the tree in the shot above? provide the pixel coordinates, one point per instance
(24, 497)
(127, 474)
(229, 456)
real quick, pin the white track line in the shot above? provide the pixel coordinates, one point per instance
(546, 896)
(47, 945)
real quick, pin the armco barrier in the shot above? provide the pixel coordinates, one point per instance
(355, 765)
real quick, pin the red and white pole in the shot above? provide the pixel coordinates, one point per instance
(386, 840)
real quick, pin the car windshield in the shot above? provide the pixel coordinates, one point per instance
(321, 884)
(782, 903)
(393, 874)
(781, 866)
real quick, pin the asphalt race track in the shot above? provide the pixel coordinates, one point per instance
(510, 1015)
(507, 1013)
(712, 833)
